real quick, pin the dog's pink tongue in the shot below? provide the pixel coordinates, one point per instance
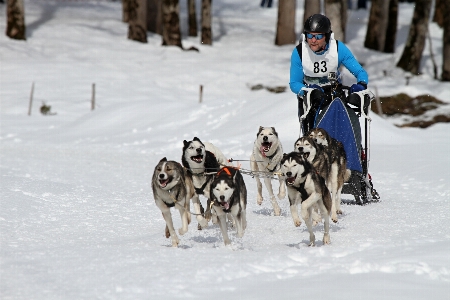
(262, 151)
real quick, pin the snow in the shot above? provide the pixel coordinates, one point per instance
(78, 219)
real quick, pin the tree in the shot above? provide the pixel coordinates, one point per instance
(206, 22)
(446, 52)
(286, 23)
(336, 11)
(171, 34)
(15, 27)
(439, 9)
(154, 18)
(312, 7)
(137, 20)
(125, 10)
(412, 54)
(192, 18)
(391, 30)
(378, 24)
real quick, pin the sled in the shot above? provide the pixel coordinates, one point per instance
(342, 120)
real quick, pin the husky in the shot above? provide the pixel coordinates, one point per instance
(307, 188)
(315, 154)
(202, 161)
(266, 157)
(338, 161)
(173, 187)
(229, 196)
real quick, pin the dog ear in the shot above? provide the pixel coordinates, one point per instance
(274, 131)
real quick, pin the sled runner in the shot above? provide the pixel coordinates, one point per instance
(341, 119)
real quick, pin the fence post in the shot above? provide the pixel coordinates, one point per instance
(93, 97)
(31, 99)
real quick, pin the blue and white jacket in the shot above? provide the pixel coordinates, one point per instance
(344, 57)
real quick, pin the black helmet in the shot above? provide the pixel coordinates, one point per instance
(317, 23)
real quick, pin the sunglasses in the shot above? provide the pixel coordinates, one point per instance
(317, 36)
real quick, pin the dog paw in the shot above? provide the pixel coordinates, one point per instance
(167, 232)
(175, 242)
(259, 200)
(202, 224)
(334, 217)
(326, 239)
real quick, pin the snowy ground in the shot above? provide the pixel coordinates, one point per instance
(77, 215)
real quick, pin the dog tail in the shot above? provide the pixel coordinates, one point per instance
(347, 175)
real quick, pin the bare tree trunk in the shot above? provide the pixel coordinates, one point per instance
(206, 22)
(171, 34)
(446, 46)
(336, 11)
(378, 24)
(391, 30)
(137, 21)
(312, 7)
(15, 12)
(439, 9)
(192, 18)
(125, 10)
(412, 54)
(154, 16)
(286, 23)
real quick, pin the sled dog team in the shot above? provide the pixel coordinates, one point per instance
(313, 176)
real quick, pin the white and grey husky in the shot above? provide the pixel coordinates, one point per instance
(265, 158)
(172, 187)
(306, 188)
(229, 195)
(202, 161)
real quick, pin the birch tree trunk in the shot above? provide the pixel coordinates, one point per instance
(192, 18)
(154, 16)
(171, 33)
(206, 22)
(336, 11)
(391, 30)
(378, 24)
(15, 27)
(446, 45)
(312, 7)
(412, 54)
(137, 21)
(286, 23)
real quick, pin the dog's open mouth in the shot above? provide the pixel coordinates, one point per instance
(225, 205)
(290, 180)
(164, 182)
(305, 154)
(198, 158)
(265, 147)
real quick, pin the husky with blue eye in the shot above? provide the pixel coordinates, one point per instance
(229, 195)
(306, 188)
(173, 187)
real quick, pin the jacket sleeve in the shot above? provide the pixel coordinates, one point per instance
(346, 58)
(296, 73)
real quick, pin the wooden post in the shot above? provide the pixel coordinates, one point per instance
(378, 102)
(31, 99)
(201, 94)
(93, 97)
